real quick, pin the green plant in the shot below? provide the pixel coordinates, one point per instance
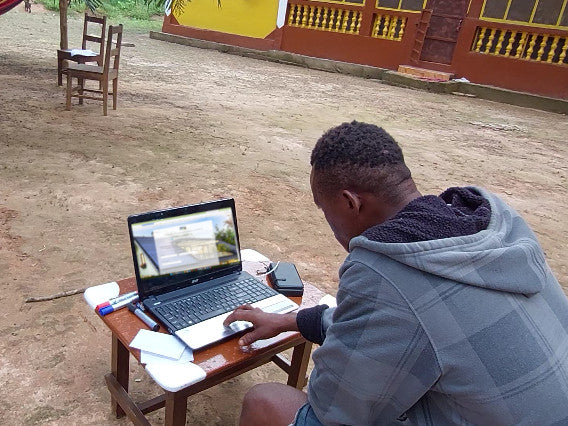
(117, 10)
(227, 235)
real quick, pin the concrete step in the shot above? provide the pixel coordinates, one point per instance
(425, 74)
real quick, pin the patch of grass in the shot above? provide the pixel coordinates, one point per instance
(133, 14)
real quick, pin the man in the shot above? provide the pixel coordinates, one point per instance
(447, 311)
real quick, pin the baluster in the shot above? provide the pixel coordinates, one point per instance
(311, 17)
(345, 18)
(480, 37)
(510, 42)
(325, 18)
(509, 45)
(334, 20)
(358, 26)
(380, 23)
(401, 30)
(500, 40)
(384, 31)
(521, 47)
(304, 16)
(392, 28)
(531, 46)
(319, 18)
(374, 33)
(541, 48)
(564, 52)
(350, 19)
(293, 14)
(299, 16)
(552, 51)
(492, 33)
(331, 19)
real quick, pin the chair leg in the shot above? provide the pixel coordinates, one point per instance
(68, 94)
(105, 97)
(100, 64)
(114, 92)
(81, 87)
(59, 70)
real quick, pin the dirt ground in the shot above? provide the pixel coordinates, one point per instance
(194, 125)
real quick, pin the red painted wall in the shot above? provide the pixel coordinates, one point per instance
(539, 78)
(346, 47)
(515, 74)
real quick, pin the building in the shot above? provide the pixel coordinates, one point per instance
(514, 44)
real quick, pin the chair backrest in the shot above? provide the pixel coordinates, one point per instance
(94, 30)
(112, 55)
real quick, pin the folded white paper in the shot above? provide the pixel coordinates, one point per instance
(158, 343)
(100, 293)
(149, 357)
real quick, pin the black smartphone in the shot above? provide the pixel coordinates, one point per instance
(285, 279)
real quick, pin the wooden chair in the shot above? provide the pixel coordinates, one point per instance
(91, 36)
(108, 72)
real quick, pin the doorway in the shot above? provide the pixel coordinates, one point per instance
(443, 30)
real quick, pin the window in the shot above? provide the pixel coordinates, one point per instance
(413, 5)
(552, 13)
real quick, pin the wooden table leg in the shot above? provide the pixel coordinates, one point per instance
(176, 407)
(119, 367)
(59, 68)
(299, 365)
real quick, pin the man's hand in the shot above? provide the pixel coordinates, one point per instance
(265, 325)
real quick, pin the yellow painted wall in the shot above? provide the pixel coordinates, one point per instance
(252, 18)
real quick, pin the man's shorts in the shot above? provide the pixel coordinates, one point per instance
(306, 416)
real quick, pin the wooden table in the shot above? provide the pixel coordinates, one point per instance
(221, 361)
(65, 55)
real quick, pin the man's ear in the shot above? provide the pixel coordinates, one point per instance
(352, 199)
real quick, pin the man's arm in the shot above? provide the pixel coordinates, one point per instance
(312, 323)
(265, 325)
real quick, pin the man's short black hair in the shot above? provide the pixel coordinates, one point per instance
(360, 157)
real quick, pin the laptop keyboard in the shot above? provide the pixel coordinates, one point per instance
(219, 300)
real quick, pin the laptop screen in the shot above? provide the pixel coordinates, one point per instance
(182, 246)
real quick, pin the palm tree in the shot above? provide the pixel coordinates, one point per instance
(176, 6)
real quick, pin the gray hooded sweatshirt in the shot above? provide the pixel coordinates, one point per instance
(463, 330)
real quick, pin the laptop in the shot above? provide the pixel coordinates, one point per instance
(189, 273)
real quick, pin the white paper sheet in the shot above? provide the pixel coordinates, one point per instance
(81, 52)
(158, 343)
(150, 358)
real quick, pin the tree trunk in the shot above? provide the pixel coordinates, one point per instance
(63, 44)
